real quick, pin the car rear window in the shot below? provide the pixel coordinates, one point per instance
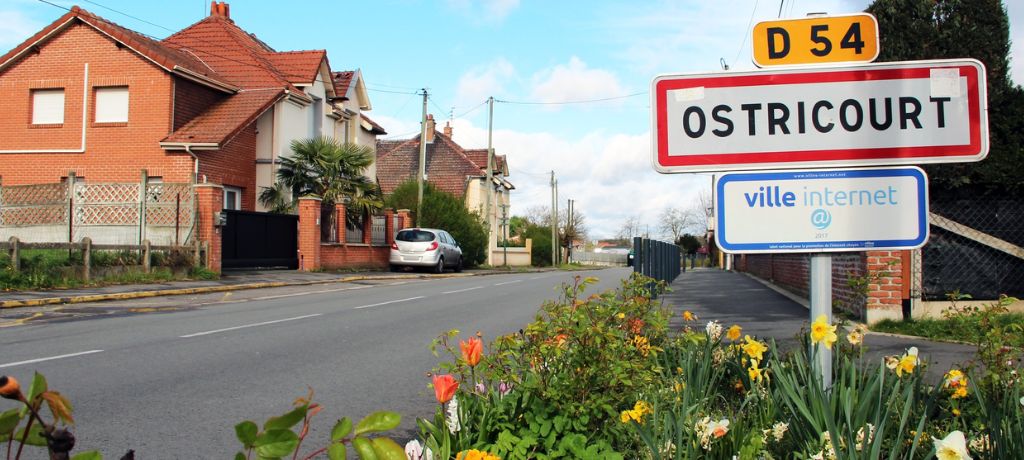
(415, 236)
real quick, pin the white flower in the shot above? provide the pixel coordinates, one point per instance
(779, 430)
(818, 456)
(453, 415)
(414, 451)
(714, 330)
(865, 438)
(980, 444)
(1022, 400)
(719, 428)
(953, 447)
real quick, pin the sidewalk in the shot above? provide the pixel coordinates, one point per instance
(229, 281)
(735, 298)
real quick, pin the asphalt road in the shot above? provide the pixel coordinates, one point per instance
(170, 377)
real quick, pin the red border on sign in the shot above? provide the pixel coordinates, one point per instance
(784, 158)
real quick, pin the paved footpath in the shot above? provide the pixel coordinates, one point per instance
(736, 298)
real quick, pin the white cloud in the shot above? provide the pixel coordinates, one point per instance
(485, 10)
(607, 174)
(574, 81)
(484, 81)
(15, 27)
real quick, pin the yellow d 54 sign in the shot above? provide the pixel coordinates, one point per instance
(816, 40)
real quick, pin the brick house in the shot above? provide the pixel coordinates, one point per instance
(210, 103)
(449, 168)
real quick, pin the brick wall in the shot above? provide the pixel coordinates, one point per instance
(114, 152)
(309, 234)
(209, 201)
(191, 99)
(334, 256)
(233, 165)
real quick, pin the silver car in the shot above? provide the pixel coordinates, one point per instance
(425, 247)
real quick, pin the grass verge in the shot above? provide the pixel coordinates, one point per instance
(963, 329)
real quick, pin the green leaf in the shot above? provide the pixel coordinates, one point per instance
(336, 451)
(276, 443)
(387, 449)
(239, 456)
(37, 387)
(341, 429)
(364, 448)
(378, 421)
(35, 436)
(90, 455)
(9, 421)
(288, 420)
(246, 432)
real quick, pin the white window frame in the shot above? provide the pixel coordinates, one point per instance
(237, 191)
(48, 106)
(112, 104)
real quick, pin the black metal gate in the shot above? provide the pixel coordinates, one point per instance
(260, 240)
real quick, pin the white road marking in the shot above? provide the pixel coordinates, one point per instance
(508, 282)
(69, 355)
(280, 296)
(197, 334)
(536, 278)
(388, 302)
(462, 290)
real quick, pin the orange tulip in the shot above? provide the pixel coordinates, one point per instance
(9, 388)
(471, 350)
(444, 387)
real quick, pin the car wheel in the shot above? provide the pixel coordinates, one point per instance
(440, 266)
(458, 266)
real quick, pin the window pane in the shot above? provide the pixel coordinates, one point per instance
(47, 106)
(112, 105)
(416, 236)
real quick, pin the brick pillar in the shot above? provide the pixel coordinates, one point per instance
(339, 213)
(389, 226)
(885, 286)
(406, 218)
(210, 201)
(367, 229)
(309, 233)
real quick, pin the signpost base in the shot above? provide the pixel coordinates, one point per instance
(821, 304)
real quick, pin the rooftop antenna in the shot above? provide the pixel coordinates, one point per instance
(725, 66)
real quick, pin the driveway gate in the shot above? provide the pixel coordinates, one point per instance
(260, 240)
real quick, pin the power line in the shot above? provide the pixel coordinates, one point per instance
(128, 15)
(745, 33)
(54, 4)
(471, 110)
(585, 101)
(416, 93)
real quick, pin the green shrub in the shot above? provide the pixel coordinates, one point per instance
(540, 253)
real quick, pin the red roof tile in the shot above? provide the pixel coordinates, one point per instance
(448, 167)
(479, 156)
(299, 67)
(342, 80)
(220, 123)
(164, 56)
(374, 127)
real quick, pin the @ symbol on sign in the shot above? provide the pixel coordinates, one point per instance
(821, 219)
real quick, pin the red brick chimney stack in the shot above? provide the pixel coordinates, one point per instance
(220, 9)
(448, 128)
(430, 128)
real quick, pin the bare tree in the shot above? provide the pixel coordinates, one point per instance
(673, 222)
(538, 215)
(629, 228)
(700, 213)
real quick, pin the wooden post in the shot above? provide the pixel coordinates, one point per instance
(15, 254)
(87, 259)
(195, 254)
(146, 257)
(143, 185)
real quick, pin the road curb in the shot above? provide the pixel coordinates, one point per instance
(6, 304)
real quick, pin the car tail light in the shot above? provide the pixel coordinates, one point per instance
(394, 246)
(433, 246)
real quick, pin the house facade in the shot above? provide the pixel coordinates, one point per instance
(452, 169)
(208, 104)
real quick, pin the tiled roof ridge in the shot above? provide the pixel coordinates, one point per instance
(398, 146)
(457, 148)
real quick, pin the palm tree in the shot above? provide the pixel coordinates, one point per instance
(331, 170)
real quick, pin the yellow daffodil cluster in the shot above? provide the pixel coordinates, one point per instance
(856, 336)
(956, 383)
(476, 455)
(636, 414)
(642, 344)
(733, 334)
(823, 332)
(904, 364)
(689, 316)
(755, 351)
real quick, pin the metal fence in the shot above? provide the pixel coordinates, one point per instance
(107, 213)
(378, 231)
(656, 259)
(976, 247)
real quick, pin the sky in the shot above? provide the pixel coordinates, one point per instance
(536, 58)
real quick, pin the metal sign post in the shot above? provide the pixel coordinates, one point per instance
(821, 304)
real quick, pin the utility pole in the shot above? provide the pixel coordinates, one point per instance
(554, 222)
(504, 232)
(570, 233)
(558, 255)
(423, 159)
(490, 174)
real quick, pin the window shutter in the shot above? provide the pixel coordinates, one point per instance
(112, 105)
(47, 106)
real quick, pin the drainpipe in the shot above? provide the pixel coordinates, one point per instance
(195, 164)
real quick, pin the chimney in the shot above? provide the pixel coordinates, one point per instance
(430, 128)
(448, 128)
(220, 9)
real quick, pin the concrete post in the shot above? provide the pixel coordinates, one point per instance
(87, 259)
(146, 257)
(15, 254)
(309, 233)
